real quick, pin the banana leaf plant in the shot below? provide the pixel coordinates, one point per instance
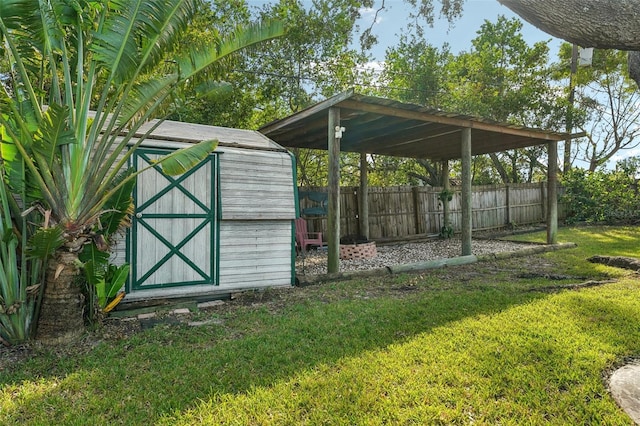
(84, 76)
(107, 279)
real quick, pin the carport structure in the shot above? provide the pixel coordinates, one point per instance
(352, 122)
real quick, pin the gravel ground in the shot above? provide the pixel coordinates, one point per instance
(315, 262)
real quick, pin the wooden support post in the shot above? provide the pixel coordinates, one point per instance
(363, 215)
(446, 185)
(467, 219)
(552, 193)
(333, 218)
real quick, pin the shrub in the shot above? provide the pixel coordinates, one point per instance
(609, 196)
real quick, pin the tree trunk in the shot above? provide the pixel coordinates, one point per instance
(61, 312)
(587, 23)
(433, 177)
(499, 167)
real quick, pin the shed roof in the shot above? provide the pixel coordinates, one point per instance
(176, 131)
(382, 126)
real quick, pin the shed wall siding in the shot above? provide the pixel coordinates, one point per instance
(256, 185)
(255, 254)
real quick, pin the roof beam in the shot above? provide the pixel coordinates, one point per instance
(317, 108)
(453, 121)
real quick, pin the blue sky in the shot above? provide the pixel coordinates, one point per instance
(458, 35)
(395, 16)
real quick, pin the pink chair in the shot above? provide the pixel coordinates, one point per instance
(304, 238)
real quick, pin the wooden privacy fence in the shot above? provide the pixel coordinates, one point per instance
(404, 211)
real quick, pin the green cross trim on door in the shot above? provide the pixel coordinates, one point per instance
(174, 232)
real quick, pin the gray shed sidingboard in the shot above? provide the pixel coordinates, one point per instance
(255, 205)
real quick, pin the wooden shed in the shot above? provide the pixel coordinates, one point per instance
(224, 226)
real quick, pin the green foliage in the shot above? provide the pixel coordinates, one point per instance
(445, 196)
(104, 280)
(182, 160)
(446, 232)
(44, 242)
(316, 58)
(21, 268)
(415, 72)
(600, 196)
(119, 207)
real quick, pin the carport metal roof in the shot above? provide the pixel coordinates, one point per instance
(382, 126)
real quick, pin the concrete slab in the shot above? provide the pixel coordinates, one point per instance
(625, 389)
(148, 323)
(215, 321)
(210, 304)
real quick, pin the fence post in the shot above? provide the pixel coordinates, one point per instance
(508, 198)
(446, 186)
(363, 203)
(543, 201)
(417, 213)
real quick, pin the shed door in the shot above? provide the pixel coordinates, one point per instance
(174, 230)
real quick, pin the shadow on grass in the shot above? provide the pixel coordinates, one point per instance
(533, 363)
(170, 369)
(604, 317)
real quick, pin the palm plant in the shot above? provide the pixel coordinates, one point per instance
(84, 77)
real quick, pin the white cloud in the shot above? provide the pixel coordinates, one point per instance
(626, 153)
(369, 13)
(375, 66)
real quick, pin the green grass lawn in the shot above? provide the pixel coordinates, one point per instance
(489, 343)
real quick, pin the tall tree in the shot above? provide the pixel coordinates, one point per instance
(505, 79)
(318, 57)
(607, 99)
(415, 71)
(69, 58)
(501, 77)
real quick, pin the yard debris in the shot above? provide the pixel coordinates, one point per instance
(577, 286)
(553, 277)
(617, 261)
